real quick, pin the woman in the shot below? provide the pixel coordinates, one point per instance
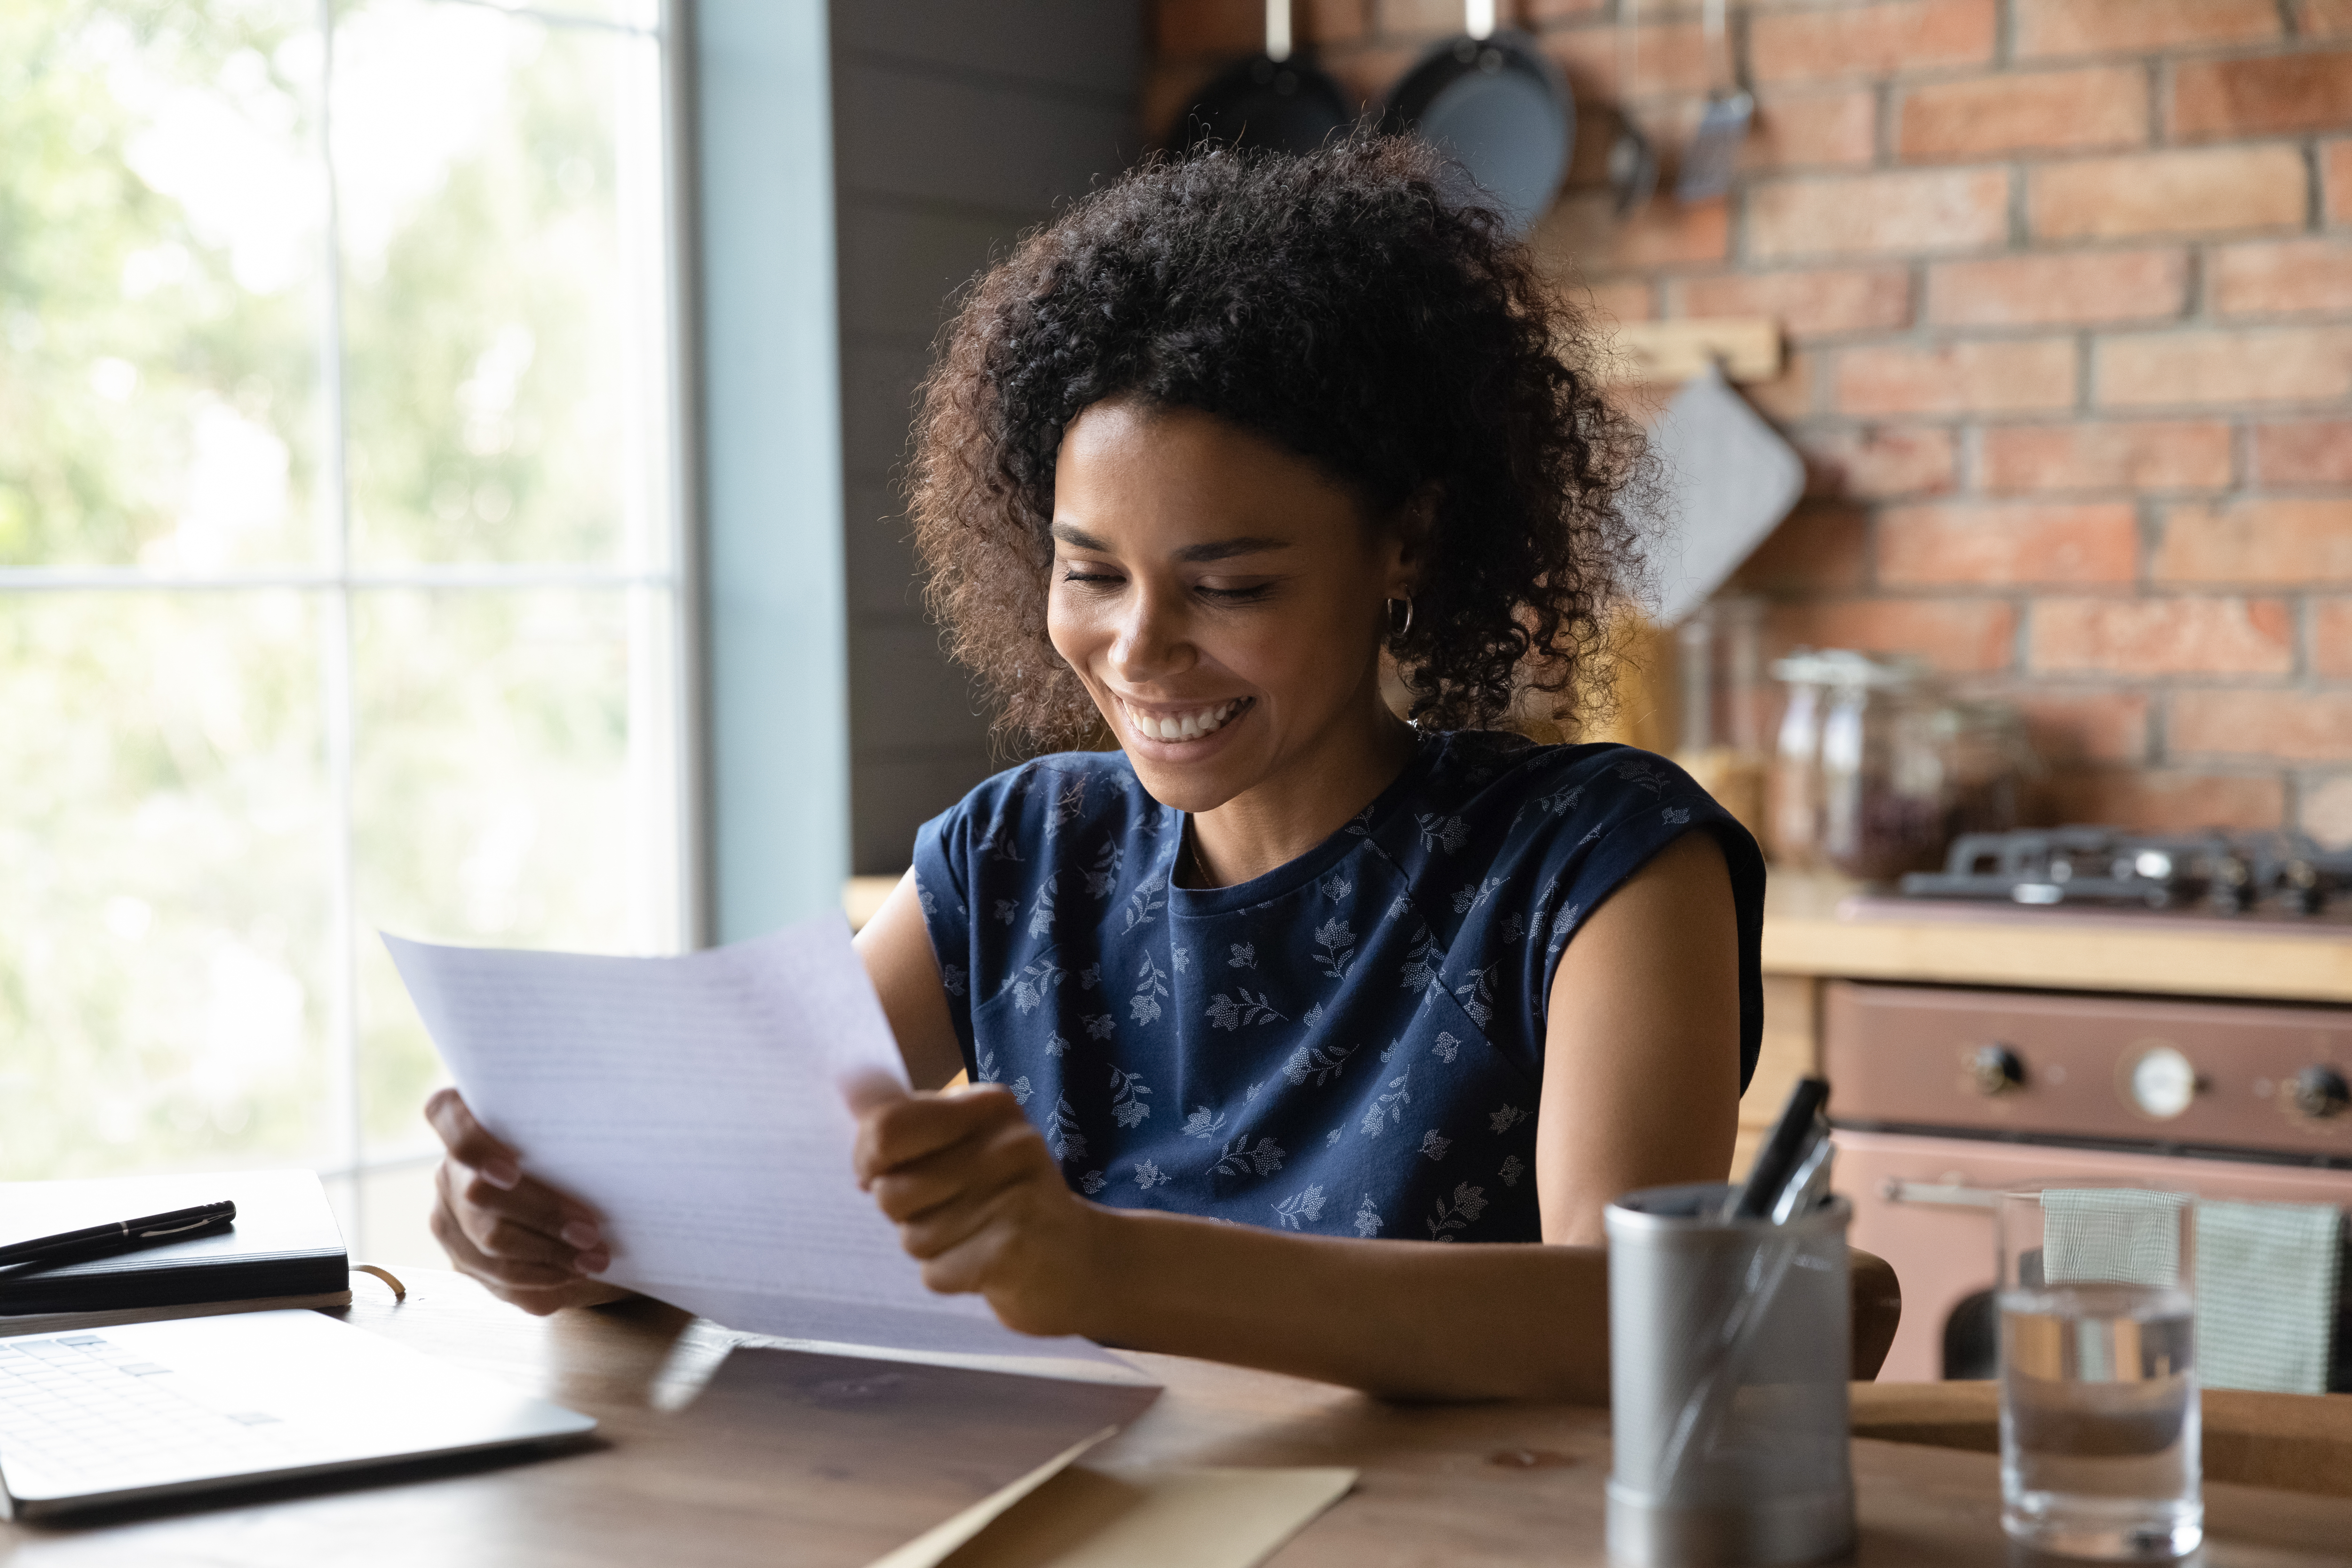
(1285, 988)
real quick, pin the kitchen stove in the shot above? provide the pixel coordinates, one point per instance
(2228, 873)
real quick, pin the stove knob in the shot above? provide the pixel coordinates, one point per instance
(1995, 1069)
(2319, 1092)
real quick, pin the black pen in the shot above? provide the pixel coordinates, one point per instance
(1783, 1152)
(121, 1236)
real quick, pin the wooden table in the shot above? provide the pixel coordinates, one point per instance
(1454, 1485)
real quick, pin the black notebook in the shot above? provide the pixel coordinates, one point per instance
(284, 1244)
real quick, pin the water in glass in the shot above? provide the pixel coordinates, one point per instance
(2099, 1420)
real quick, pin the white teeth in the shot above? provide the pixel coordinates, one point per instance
(1189, 726)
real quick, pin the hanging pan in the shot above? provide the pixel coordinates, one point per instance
(1271, 100)
(1497, 104)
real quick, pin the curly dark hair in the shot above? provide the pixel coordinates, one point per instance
(1358, 306)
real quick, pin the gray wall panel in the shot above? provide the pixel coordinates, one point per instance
(971, 145)
(957, 127)
(877, 404)
(880, 560)
(904, 696)
(1085, 47)
(900, 266)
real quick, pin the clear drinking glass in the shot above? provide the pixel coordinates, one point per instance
(2099, 1414)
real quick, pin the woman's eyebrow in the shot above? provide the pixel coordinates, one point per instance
(1224, 548)
(1077, 539)
(1192, 554)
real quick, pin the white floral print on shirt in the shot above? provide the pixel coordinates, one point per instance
(1128, 1089)
(1305, 1206)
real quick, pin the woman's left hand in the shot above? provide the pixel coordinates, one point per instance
(978, 1201)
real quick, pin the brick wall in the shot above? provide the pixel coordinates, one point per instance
(2067, 290)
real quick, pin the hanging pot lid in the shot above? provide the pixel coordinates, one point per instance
(1496, 103)
(1273, 100)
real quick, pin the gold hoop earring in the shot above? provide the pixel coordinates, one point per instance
(1396, 630)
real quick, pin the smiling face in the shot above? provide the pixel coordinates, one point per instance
(1223, 601)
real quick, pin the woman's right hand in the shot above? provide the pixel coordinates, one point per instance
(531, 1245)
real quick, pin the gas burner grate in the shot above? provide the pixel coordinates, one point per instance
(2227, 872)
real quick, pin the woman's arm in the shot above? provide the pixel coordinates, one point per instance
(1641, 1084)
(1640, 1087)
(896, 946)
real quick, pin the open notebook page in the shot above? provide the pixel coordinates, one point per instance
(694, 1104)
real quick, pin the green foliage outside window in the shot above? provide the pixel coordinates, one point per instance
(173, 803)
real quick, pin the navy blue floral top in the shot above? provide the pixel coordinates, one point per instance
(1351, 1044)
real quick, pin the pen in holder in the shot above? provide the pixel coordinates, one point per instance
(1728, 1351)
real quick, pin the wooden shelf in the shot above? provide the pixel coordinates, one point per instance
(1746, 348)
(1810, 928)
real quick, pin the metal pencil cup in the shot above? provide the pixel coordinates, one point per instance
(1729, 1353)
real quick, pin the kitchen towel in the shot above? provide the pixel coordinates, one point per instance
(2267, 1278)
(2113, 1235)
(1726, 480)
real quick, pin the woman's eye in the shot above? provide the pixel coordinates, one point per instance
(1079, 575)
(1238, 596)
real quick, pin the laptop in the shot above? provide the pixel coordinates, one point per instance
(144, 1411)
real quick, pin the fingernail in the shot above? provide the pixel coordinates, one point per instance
(595, 1262)
(580, 1234)
(502, 1174)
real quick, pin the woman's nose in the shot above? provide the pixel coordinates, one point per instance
(1150, 643)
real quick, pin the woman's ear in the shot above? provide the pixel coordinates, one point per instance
(1412, 541)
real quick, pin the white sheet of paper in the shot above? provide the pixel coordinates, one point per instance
(694, 1104)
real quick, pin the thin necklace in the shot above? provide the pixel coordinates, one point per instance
(1192, 860)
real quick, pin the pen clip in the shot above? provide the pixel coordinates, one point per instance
(1798, 1194)
(202, 1221)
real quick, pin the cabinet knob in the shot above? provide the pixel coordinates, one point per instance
(2319, 1092)
(1995, 1069)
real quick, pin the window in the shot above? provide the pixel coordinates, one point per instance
(341, 580)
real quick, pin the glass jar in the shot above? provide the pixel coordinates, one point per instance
(1884, 786)
(1716, 662)
(1990, 759)
(1793, 808)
